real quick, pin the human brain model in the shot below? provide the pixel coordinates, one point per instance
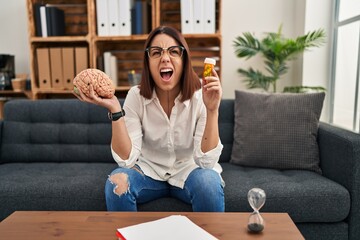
(103, 86)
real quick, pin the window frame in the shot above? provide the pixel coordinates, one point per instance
(336, 25)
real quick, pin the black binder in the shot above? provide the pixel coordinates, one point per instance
(55, 20)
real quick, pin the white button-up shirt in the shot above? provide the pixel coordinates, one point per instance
(167, 149)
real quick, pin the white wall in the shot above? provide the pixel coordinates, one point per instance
(238, 16)
(14, 33)
(317, 62)
(258, 17)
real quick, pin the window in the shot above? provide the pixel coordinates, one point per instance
(345, 94)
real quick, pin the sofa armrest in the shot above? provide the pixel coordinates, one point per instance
(340, 162)
(1, 128)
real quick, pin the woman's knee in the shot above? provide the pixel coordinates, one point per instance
(206, 179)
(119, 182)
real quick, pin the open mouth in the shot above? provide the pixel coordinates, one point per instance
(166, 73)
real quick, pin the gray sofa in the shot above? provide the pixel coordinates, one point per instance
(55, 155)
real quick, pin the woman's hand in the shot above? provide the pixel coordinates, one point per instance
(111, 104)
(212, 92)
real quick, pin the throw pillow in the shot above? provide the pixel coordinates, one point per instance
(277, 130)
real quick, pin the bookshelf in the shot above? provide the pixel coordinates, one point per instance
(81, 31)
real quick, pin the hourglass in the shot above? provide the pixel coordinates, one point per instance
(256, 198)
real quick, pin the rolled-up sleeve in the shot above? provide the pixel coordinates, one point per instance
(125, 163)
(208, 159)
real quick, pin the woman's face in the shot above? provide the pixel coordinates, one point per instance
(166, 66)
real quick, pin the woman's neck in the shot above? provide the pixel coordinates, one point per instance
(167, 99)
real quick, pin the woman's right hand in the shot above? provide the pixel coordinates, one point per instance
(111, 104)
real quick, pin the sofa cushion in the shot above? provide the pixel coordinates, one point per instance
(53, 186)
(277, 130)
(305, 195)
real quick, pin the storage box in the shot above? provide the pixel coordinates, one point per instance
(18, 84)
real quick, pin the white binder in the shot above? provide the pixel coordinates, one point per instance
(113, 6)
(187, 16)
(124, 17)
(209, 16)
(107, 64)
(198, 16)
(114, 70)
(43, 21)
(102, 17)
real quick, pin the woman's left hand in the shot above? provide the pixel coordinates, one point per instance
(212, 91)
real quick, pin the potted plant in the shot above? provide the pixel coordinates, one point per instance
(277, 51)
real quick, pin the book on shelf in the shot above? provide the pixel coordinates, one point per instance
(186, 11)
(56, 68)
(102, 19)
(43, 66)
(113, 17)
(198, 16)
(209, 16)
(49, 20)
(68, 63)
(44, 28)
(81, 59)
(110, 67)
(141, 17)
(125, 17)
(55, 19)
(37, 18)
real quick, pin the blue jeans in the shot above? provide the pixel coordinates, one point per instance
(125, 188)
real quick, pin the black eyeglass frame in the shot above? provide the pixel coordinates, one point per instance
(163, 50)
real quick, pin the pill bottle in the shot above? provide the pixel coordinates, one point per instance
(209, 64)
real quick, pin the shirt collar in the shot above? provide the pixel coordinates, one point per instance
(177, 99)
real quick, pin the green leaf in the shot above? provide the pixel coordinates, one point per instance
(303, 89)
(276, 51)
(246, 46)
(255, 79)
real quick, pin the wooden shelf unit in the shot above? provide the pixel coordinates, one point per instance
(81, 30)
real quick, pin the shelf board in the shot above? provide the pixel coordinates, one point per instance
(202, 35)
(12, 93)
(139, 37)
(60, 39)
(143, 37)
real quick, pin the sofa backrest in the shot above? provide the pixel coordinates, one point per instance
(68, 130)
(55, 130)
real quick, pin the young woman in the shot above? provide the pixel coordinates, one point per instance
(165, 139)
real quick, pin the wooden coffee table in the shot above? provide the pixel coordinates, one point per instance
(46, 225)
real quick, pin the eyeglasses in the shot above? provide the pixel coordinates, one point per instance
(173, 51)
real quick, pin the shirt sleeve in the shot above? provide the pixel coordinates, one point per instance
(133, 108)
(210, 158)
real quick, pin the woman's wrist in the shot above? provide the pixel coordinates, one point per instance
(212, 113)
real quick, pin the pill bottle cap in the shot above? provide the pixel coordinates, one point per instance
(210, 61)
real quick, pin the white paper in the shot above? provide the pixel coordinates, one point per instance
(175, 227)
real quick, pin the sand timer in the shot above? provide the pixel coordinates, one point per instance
(256, 198)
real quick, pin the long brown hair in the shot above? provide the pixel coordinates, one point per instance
(189, 80)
